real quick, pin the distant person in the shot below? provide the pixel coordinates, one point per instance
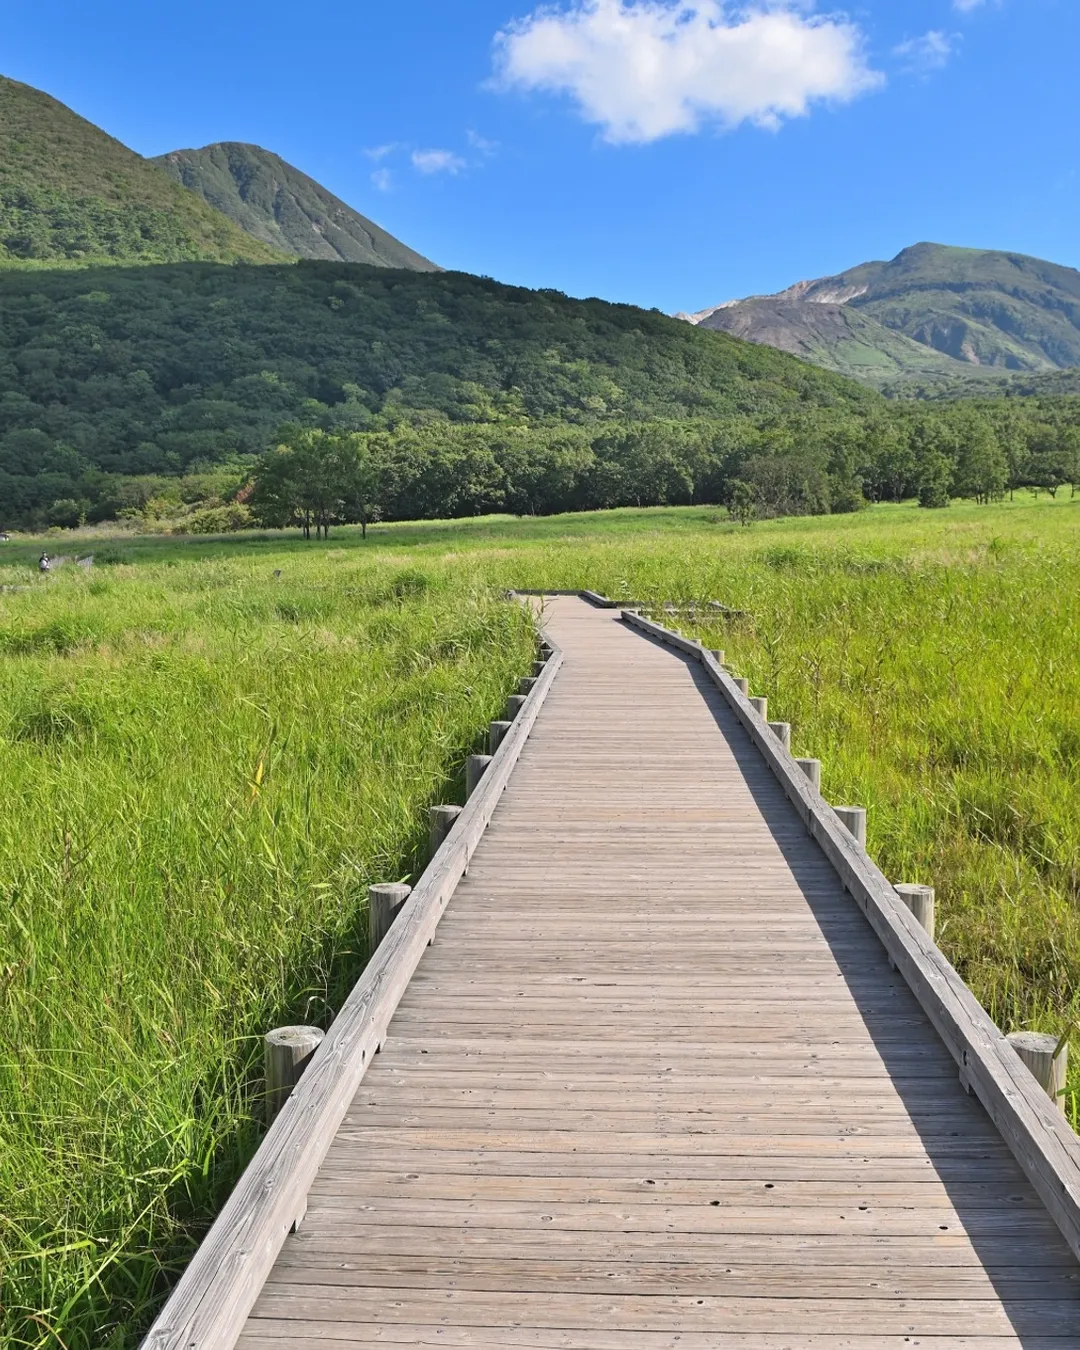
(44, 563)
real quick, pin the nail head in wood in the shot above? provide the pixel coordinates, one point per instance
(384, 901)
(812, 769)
(496, 732)
(782, 732)
(920, 900)
(761, 706)
(440, 823)
(286, 1053)
(475, 767)
(1036, 1049)
(853, 819)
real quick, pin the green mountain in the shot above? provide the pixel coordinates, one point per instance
(70, 194)
(932, 310)
(285, 208)
(153, 370)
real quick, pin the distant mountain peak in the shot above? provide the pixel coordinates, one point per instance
(931, 309)
(283, 207)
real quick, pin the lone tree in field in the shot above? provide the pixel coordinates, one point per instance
(317, 479)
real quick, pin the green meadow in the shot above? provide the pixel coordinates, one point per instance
(211, 748)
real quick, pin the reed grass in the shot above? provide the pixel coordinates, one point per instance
(205, 764)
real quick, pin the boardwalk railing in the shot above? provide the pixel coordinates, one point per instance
(1036, 1132)
(210, 1304)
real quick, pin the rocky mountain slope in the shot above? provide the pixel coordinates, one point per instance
(931, 310)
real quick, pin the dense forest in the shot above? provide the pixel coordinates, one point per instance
(152, 392)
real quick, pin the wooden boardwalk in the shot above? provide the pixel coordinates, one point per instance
(655, 1085)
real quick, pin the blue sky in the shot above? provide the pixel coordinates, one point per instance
(622, 148)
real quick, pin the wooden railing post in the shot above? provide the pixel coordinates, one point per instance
(384, 901)
(496, 732)
(920, 900)
(853, 819)
(1048, 1059)
(742, 685)
(761, 706)
(440, 823)
(514, 705)
(525, 685)
(475, 768)
(718, 654)
(812, 769)
(286, 1052)
(782, 732)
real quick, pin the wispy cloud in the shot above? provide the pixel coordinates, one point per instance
(921, 55)
(437, 161)
(379, 152)
(480, 144)
(644, 69)
(966, 6)
(383, 179)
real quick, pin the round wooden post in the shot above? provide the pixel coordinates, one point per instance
(761, 706)
(286, 1053)
(812, 769)
(496, 732)
(514, 705)
(782, 732)
(742, 685)
(525, 686)
(475, 767)
(717, 654)
(1036, 1049)
(440, 822)
(853, 818)
(383, 904)
(920, 900)
(538, 668)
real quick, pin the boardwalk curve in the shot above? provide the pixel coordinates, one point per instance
(656, 1085)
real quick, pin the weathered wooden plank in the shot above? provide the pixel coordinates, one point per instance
(1041, 1140)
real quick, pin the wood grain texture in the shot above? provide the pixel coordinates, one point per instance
(1035, 1131)
(654, 1085)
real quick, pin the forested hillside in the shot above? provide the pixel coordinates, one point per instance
(111, 373)
(71, 194)
(285, 208)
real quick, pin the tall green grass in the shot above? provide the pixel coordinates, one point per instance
(204, 766)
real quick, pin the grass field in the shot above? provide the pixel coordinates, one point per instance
(205, 764)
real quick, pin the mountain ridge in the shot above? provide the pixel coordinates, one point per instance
(284, 207)
(71, 194)
(984, 311)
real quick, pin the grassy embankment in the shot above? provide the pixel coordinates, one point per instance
(929, 658)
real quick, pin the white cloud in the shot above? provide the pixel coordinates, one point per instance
(437, 161)
(378, 152)
(923, 54)
(643, 69)
(480, 144)
(383, 179)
